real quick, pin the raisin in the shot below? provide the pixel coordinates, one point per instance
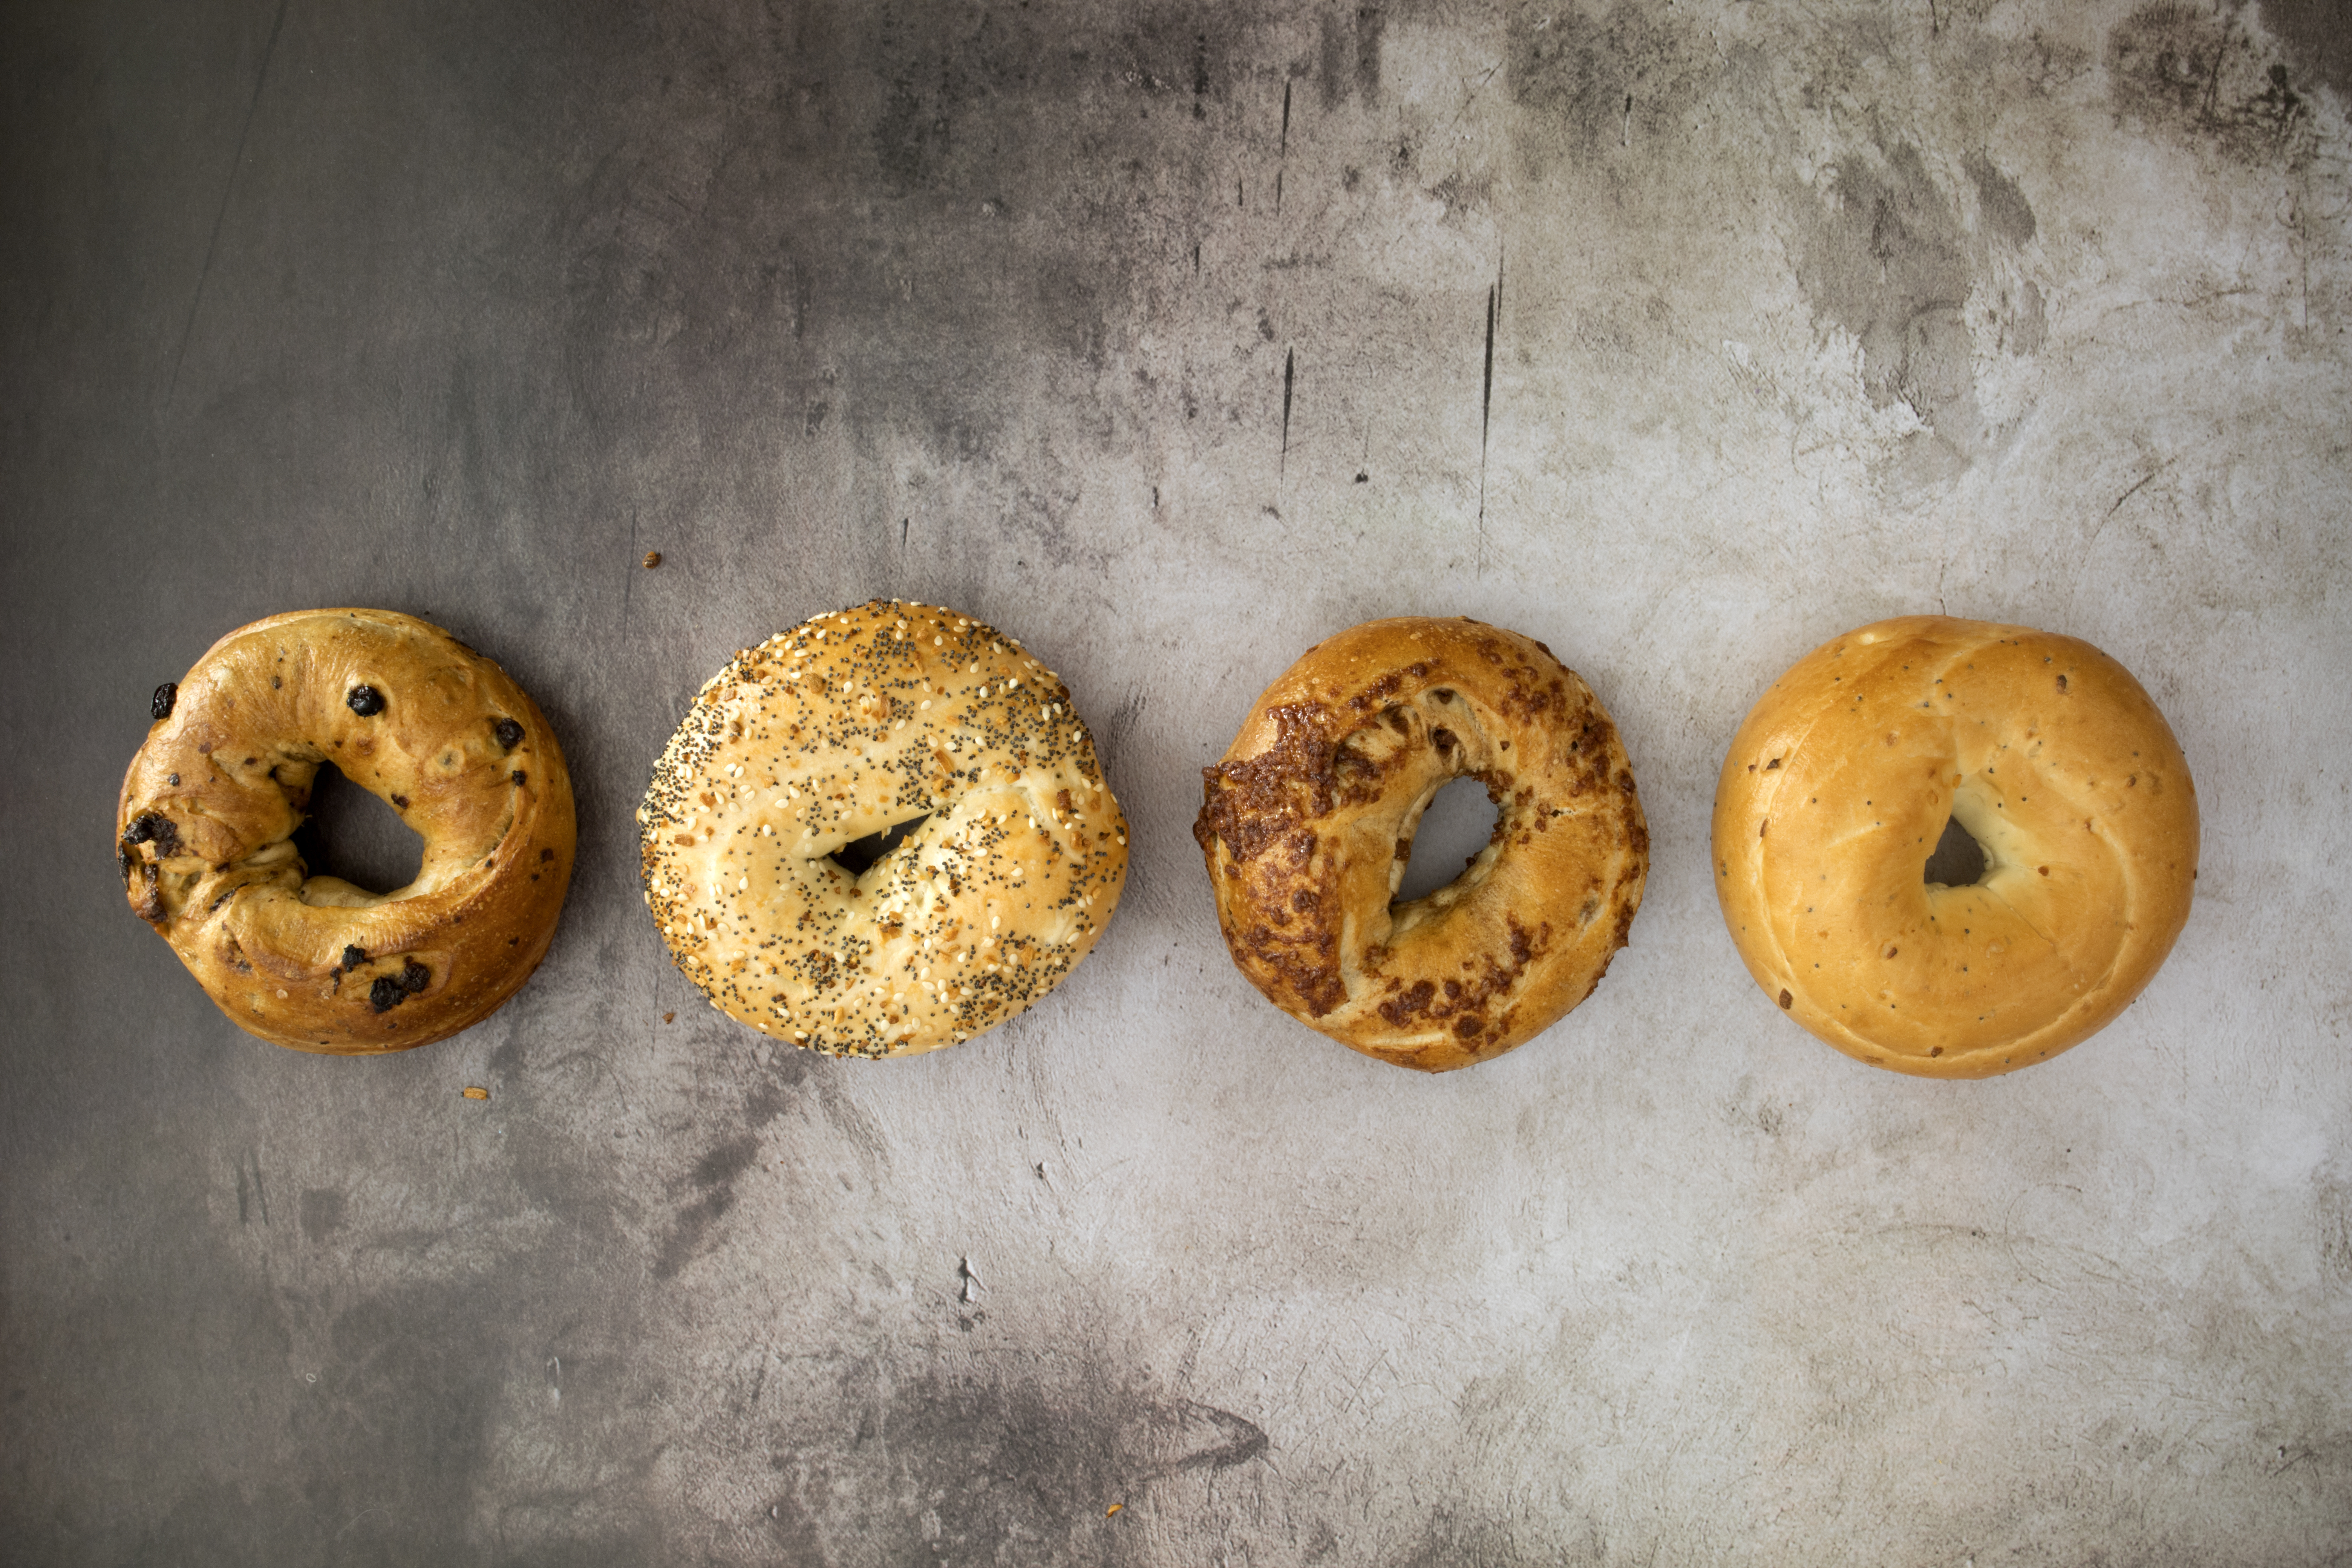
(354, 957)
(509, 733)
(365, 700)
(385, 994)
(153, 827)
(517, 775)
(414, 977)
(165, 696)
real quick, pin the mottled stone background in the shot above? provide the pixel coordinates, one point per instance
(1171, 338)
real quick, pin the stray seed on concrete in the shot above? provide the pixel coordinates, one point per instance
(653, 559)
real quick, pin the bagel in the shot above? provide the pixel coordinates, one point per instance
(205, 823)
(1307, 823)
(848, 727)
(1837, 790)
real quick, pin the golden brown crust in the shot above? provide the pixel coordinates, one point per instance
(1838, 786)
(205, 822)
(846, 727)
(1307, 823)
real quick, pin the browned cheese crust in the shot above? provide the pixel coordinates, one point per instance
(1837, 788)
(205, 828)
(1308, 822)
(846, 727)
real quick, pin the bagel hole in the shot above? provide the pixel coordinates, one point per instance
(1459, 823)
(352, 835)
(1959, 860)
(859, 854)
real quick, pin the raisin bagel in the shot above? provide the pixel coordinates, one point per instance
(1836, 793)
(889, 716)
(206, 831)
(1308, 821)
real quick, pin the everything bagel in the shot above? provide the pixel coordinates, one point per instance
(1837, 789)
(846, 728)
(1307, 824)
(205, 822)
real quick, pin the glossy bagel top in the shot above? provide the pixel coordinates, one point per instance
(1837, 788)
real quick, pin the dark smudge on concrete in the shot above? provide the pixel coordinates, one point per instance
(2318, 36)
(2203, 77)
(1889, 262)
(322, 1213)
(714, 1175)
(1594, 83)
(2003, 205)
(983, 1465)
(1347, 54)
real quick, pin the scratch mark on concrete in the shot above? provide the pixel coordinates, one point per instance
(2100, 527)
(261, 1195)
(629, 582)
(1289, 364)
(1486, 405)
(1284, 150)
(1230, 1440)
(2213, 76)
(2126, 495)
(228, 188)
(363, 1513)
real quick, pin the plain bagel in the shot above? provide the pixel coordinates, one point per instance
(1308, 822)
(1837, 790)
(205, 822)
(888, 716)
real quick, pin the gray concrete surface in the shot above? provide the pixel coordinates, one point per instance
(1161, 335)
